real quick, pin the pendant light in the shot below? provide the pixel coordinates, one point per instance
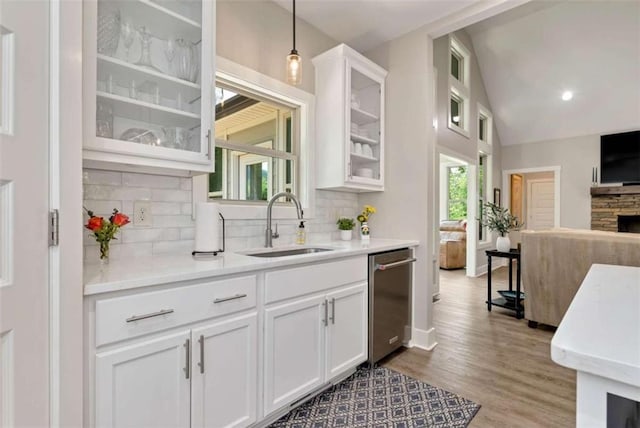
(294, 62)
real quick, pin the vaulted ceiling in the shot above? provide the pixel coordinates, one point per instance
(530, 55)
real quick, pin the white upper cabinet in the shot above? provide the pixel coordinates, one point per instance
(349, 121)
(148, 72)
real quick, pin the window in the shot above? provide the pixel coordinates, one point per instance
(459, 62)
(459, 87)
(483, 161)
(485, 124)
(457, 109)
(457, 65)
(255, 153)
(456, 192)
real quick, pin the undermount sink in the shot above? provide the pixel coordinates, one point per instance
(289, 252)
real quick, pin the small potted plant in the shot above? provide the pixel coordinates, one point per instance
(346, 225)
(500, 220)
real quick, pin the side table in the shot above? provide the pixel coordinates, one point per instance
(516, 305)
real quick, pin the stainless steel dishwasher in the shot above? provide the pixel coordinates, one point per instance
(390, 278)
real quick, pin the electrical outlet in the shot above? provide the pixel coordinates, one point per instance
(142, 214)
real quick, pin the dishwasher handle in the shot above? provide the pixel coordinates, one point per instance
(395, 264)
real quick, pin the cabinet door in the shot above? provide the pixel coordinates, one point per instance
(365, 119)
(294, 351)
(144, 385)
(148, 88)
(225, 379)
(347, 335)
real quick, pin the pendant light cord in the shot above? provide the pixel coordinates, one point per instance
(294, 25)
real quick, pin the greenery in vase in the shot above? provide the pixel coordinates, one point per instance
(104, 230)
(499, 219)
(345, 223)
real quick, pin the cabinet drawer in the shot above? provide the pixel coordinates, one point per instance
(131, 316)
(287, 283)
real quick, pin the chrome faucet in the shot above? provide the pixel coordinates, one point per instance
(268, 242)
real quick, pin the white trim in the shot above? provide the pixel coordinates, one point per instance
(485, 146)
(423, 339)
(7, 80)
(506, 190)
(238, 75)
(7, 356)
(54, 203)
(6, 233)
(477, 12)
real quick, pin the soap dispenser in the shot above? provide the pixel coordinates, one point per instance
(300, 234)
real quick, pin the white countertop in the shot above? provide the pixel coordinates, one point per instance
(148, 271)
(600, 333)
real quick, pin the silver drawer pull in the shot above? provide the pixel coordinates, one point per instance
(395, 264)
(226, 299)
(151, 315)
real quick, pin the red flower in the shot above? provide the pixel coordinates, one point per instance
(119, 219)
(95, 223)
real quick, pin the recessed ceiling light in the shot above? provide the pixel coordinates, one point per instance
(567, 95)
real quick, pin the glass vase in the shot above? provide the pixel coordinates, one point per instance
(104, 252)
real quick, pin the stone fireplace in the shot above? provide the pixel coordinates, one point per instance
(615, 209)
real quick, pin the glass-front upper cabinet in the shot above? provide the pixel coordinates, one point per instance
(349, 121)
(148, 84)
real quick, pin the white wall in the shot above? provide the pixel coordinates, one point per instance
(406, 208)
(576, 157)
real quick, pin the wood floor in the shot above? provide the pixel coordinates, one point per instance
(491, 358)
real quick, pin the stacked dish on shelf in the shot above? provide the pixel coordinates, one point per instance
(148, 71)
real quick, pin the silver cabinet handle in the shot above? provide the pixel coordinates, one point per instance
(151, 315)
(325, 321)
(201, 363)
(226, 299)
(395, 264)
(209, 145)
(187, 365)
(333, 310)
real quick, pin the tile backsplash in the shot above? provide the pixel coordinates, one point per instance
(173, 229)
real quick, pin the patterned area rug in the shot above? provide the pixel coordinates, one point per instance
(381, 398)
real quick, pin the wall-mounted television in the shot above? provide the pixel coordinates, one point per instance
(620, 158)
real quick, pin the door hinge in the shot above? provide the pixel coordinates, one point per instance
(54, 228)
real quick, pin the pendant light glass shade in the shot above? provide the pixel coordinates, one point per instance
(294, 61)
(294, 68)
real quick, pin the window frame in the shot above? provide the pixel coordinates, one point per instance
(460, 89)
(485, 148)
(252, 81)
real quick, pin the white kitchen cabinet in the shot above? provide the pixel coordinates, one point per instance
(314, 332)
(225, 378)
(349, 121)
(148, 85)
(294, 350)
(145, 384)
(347, 329)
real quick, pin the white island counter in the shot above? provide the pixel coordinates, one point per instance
(599, 337)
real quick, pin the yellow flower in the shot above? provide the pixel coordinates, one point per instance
(366, 212)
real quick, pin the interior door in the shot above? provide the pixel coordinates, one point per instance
(540, 204)
(24, 202)
(516, 196)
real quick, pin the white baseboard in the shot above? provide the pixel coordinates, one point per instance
(424, 339)
(482, 269)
